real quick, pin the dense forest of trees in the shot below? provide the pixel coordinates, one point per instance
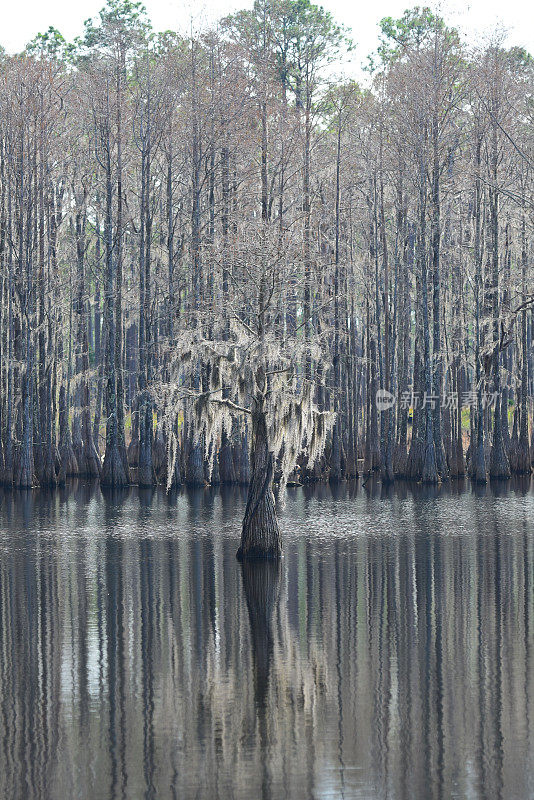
(214, 253)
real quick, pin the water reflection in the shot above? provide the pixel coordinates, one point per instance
(389, 655)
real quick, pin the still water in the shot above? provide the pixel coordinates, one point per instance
(390, 655)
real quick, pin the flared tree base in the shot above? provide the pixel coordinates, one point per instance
(113, 472)
(430, 473)
(499, 465)
(259, 554)
(260, 538)
(522, 459)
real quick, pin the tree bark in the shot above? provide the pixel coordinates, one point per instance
(260, 536)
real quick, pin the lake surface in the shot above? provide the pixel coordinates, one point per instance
(391, 655)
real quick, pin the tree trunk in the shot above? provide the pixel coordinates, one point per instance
(523, 454)
(68, 464)
(260, 536)
(113, 469)
(226, 460)
(430, 472)
(145, 470)
(477, 465)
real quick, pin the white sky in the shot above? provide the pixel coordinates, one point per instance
(22, 20)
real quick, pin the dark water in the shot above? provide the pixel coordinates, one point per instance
(391, 655)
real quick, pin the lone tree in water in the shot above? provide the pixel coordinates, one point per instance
(256, 374)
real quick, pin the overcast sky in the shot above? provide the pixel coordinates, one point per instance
(22, 20)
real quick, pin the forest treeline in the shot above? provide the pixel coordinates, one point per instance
(214, 253)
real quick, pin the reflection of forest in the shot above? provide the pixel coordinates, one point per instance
(139, 665)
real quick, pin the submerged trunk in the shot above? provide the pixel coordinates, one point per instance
(260, 537)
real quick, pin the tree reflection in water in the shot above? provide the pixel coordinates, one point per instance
(388, 655)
